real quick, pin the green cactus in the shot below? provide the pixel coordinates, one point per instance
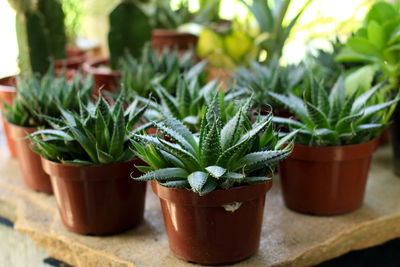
(129, 31)
(40, 33)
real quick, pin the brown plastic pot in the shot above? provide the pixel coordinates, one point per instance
(104, 78)
(29, 162)
(162, 38)
(100, 199)
(7, 94)
(200, 230)
(326, 180)
(75, 59)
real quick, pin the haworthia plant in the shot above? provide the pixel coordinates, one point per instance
(40, 33)
(39, 98)
(220, 157)
(98, 134)
(129, 31)
(260, 80)
(162, 16)
(334, 119)
(140, 76)
(190, 102)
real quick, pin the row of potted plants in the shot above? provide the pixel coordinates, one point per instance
(221, 165)
(209, 153)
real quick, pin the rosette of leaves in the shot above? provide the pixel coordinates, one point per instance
(220, 157)
(334, 119)
(38, 98)
(275, 78)
(141, 76)
(190, 102)
(98, 134)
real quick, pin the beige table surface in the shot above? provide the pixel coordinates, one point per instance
(288, 238)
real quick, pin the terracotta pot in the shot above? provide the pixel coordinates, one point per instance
(396, 140)
(200, 230)
(326, 180)
(106, 79)
(7, 94)
(386, 136)
(29, 162)
(161, 38)
(99, 200)
(74, 60)
(223, 75)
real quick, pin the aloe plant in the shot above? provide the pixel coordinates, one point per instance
(328, 120)
(270, 19)
(190, 102)
(260, 80)
(141, 76)
(98, 134)
(220, 157)
(38, 98)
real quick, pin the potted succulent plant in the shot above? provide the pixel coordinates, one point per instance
(169, 26)
(140, 76)
(89, 161)
(7, 94)
(129, 31)
(36, 99)
(212, 186)
(188, 105)
(374, 46)
(327, 171)
(41, 36)
(259, 80)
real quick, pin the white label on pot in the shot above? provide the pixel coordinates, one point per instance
(232, 207)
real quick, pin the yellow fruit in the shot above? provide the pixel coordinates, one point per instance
(219, 60)
(237, 44)
(208, 42)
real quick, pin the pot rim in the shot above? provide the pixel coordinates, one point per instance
(74, 60)
(96, 172)
(8, 88)
(158, 32)
(91, 66)
(335, 153)
(215, 198)
(16, 129)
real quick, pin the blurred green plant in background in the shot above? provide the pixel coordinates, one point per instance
(74, 17)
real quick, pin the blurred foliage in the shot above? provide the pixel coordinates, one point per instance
(74, 17)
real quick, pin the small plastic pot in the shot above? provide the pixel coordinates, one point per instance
(201, 230)
(396, 140)
(75, 59)
(104, 78)
(98, 200)
(326, 180)
(7, 94)
(29, 162)
(162, 38)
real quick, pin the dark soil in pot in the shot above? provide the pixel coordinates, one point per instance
(326, 180)
(103, 76)
(172, 39)
(7, 94)
(29, 162)
(100, 199)
(201, 230)
(396, 140)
